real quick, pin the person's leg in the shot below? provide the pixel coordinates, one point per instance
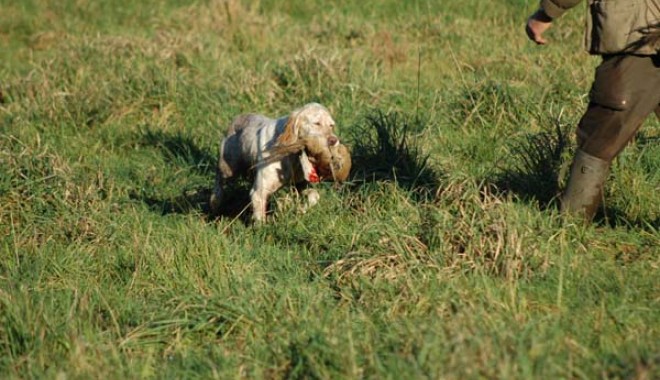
(626, 90)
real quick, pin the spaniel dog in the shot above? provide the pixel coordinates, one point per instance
(249, 146)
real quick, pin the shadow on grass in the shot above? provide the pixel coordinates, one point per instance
(531, 169)
(383, 150)
(236, 202)
(180, 149)
(183, 151)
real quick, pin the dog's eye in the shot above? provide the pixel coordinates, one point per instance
(317, 123)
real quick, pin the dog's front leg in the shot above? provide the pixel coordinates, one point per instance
(259, 203)
(266, 183)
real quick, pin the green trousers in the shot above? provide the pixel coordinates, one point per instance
(626, 90)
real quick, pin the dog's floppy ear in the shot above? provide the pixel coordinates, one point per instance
(290, 133)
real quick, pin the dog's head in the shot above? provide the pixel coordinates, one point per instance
(311, 119)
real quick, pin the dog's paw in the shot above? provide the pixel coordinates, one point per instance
(312, 198)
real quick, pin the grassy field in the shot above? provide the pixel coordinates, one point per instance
(444, 256)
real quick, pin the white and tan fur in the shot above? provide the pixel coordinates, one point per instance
(246, 146)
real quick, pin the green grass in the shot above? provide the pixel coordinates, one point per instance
(444, 256)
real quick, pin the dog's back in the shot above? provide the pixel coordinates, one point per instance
(241, 122)
(246, 139)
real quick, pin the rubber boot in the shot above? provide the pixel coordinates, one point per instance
(585, 185)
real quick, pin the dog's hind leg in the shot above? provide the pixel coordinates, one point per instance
(216, 196)
(223, 171)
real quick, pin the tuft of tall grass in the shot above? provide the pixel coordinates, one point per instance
(384, 149)
(532, 165)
